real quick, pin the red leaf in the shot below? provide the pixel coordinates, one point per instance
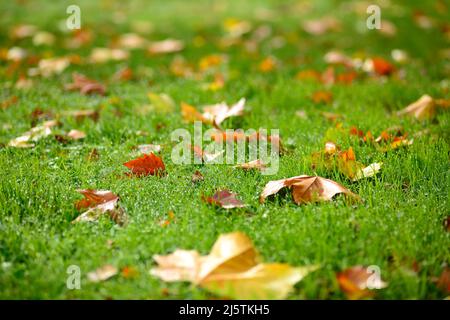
(93, 198)
(148, 164)
(382, 67)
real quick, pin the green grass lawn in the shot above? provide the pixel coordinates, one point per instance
(398, 225)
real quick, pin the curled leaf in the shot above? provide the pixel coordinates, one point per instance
(85, 85)
(264, 281)
(306, 189)
(33, 135)
(424, 108)
(357, 281)
(100, 202)
(232, 269)
(219, 112)
(225, 199)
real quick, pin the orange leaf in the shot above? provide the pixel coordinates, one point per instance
(267, 65)
(382, 67)
(93, 198)
(354, 282)
(322, 97)
(100, 202)
(190, 114)
(148, 164)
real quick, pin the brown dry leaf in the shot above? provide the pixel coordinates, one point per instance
(205, 156)
(219, 112)
(33, 135)
(148, 164)
(225, 199)
(52, 66)
(103, 55)
(76, 134)
(181, 265)
(197, 177)
(264, 281)
(102, 273)
(424, 108)
(85, 85)
(165, 46)
(354, 282)
(255, 164)
(232, 269)
(100, 202)
(24, 83)
(213, 114)
(306, 189)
